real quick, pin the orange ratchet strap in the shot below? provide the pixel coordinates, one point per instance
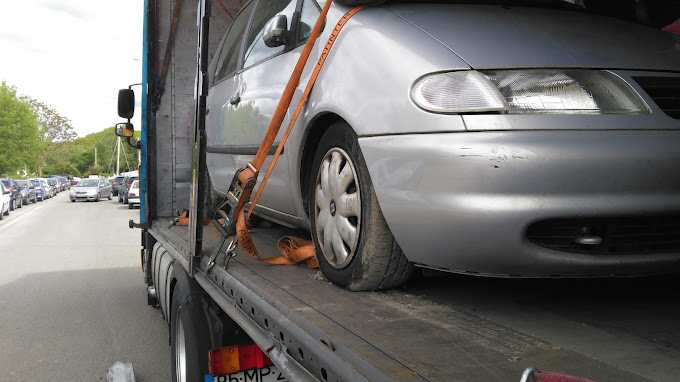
(248, 175)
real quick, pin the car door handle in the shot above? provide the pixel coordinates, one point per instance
(235, 100)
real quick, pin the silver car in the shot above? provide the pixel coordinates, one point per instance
(485, 139)
(91, 189)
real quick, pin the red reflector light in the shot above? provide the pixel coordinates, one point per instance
(233, 359)
(132, 194)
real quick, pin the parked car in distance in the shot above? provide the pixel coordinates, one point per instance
(133, 195)
(75, 180)
(5, 200)
(116, 182)
(91, 189)
(27, 191)
(55, 184)
(15, 193)
(505, 151)
(40, 191)
(68, 179)
(123, 188)
(61, 181)
(49, 190)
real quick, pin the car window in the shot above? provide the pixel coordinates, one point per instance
(135, 184)
(88, 183)
(228, 60)
(310, 13)
(256, 50)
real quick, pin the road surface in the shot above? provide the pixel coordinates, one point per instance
(72, 298)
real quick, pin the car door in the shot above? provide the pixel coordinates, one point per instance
(219, 103)
(260, 87)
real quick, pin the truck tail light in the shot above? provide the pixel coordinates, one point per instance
(233, 359)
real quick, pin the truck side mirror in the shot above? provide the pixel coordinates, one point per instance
(125, 129)
(275, 31)
(126, 103)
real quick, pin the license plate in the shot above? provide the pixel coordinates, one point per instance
(265, 374)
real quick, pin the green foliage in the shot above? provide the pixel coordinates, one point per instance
(80, 155)
(18, 132)
(36, 138)
(53, 128)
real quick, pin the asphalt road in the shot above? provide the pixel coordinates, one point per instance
(72, 298)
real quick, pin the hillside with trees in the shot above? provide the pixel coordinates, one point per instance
(36, 141)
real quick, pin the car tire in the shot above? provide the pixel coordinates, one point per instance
(98, 197)
(12, 202)
(21, 203)
(370, 259)
(1, 214)
(130, 206)
(7, 212)
(110, 196)
(189, 337)
(73, 200)
(125, 199)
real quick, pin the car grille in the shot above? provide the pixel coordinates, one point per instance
(620, 236)
(665, 91)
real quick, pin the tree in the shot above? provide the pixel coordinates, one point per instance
(52, 128)
(18, 131)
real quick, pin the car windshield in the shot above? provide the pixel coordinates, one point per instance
(88, 183)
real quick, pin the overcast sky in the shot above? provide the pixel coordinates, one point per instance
(73, 55)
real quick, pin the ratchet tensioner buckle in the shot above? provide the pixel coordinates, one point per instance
(237, 196)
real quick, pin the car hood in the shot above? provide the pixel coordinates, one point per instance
(80, 189)
(491, 37)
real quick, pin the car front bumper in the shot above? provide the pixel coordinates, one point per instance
(465, 202)
(83, 197)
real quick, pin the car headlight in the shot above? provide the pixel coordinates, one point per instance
(531, 91)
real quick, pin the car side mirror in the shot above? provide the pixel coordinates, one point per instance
(275, 31)
(125, 129)
(126, 103)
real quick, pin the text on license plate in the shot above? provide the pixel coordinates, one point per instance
(265, 374)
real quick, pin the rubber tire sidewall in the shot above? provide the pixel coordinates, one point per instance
(190, 309)
(369, 264)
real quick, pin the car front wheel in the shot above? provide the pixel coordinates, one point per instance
(354, 245)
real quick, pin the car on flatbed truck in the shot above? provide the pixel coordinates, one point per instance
(218, 304)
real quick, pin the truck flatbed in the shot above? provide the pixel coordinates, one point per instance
(415, 333)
